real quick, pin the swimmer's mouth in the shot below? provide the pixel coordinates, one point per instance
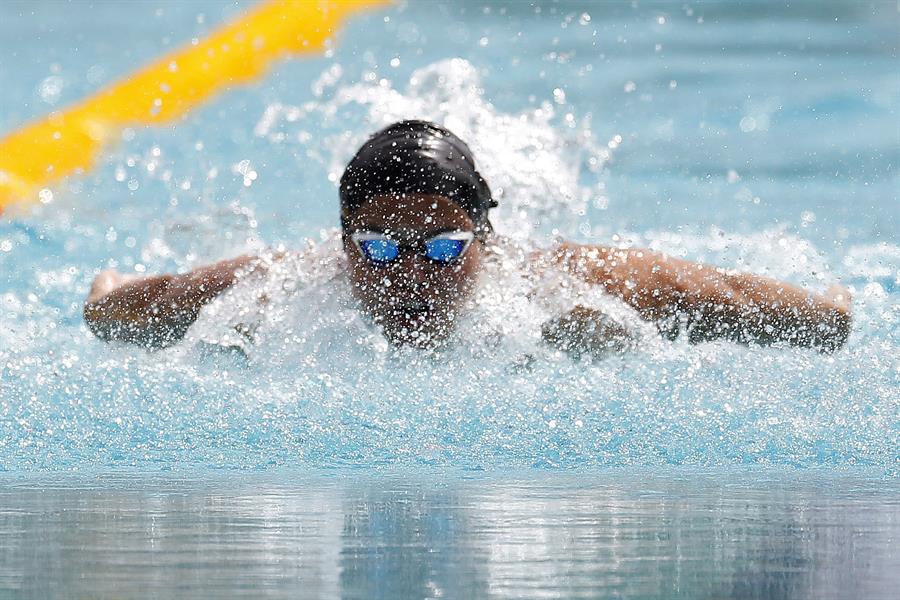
(417, 305)
(414, 310)
(412, 307)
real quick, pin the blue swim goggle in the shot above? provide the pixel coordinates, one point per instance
(443, 248)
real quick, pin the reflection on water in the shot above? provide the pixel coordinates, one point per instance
(614, 534)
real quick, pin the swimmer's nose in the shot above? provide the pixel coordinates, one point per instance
(412, 274)
(413, 267)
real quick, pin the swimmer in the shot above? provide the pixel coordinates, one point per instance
(415, 233)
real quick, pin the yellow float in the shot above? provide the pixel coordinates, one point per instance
(69, 141)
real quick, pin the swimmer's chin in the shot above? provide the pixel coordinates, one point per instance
(417, 329)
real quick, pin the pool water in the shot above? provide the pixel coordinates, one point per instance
(762, 137)
(610, 533)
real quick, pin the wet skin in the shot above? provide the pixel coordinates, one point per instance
(415, 300)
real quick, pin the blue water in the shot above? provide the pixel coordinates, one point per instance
(610, 534)
(757, 136)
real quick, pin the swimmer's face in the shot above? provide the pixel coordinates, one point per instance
(415, 299)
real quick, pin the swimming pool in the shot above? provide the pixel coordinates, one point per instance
(761, 137)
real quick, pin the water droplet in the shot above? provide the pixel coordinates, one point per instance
(95, 74)
(50, 89)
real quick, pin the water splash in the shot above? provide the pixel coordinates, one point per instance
(319, 386)
(533, 165)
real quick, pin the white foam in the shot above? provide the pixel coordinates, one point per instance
(532, 165)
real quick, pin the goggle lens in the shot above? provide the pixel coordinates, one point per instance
(444, 250)
(380, 250)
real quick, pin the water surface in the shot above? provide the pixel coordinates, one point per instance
(446, 535)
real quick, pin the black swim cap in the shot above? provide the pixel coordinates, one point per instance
(416, 157)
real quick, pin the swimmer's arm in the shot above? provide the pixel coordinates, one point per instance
(156, 311)
(711, 303)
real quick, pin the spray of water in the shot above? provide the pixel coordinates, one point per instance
(283, 369)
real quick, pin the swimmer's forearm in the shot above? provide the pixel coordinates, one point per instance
(773, 311)
(711, 302)
(156, 311)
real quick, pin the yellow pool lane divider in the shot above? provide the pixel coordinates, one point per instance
(43, 152)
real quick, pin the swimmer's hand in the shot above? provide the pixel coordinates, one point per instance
(586, 331)
(156, 311)
(839, 297)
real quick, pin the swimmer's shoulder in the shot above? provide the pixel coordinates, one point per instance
(560, 256)
(327, 249)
